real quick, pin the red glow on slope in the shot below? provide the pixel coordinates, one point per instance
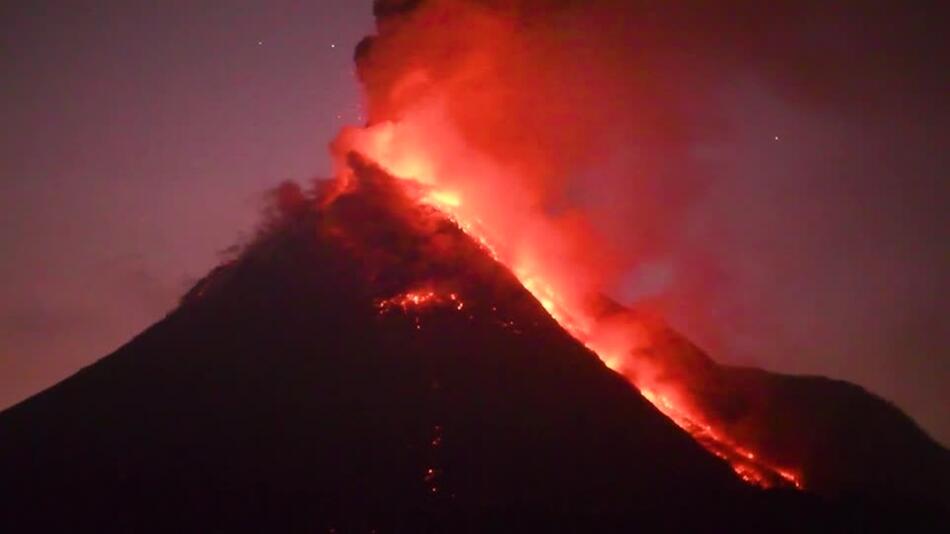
(553, 257)
(405, 301)
(419, 299)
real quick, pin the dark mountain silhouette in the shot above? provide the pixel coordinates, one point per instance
(844, 440)
(365, 366)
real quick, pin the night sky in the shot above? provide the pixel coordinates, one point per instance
(139, 138)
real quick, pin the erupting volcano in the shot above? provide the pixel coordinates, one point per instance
(417, 154)
(428, 342)
(366, 365)
(486, 134)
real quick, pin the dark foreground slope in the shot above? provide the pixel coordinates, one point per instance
(282, 395)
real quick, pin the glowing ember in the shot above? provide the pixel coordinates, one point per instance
(408, 300)
(418, 299)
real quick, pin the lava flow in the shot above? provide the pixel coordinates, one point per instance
(440, 170)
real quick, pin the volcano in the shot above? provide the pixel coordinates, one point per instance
(366, 366)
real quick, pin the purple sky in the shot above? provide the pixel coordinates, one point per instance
(138, 138)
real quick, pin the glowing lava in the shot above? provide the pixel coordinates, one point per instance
(485, 200)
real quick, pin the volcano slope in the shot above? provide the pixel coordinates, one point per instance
(843, 440)
(365, 366)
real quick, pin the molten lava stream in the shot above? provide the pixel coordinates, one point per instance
(419, 167)
(747, 465)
